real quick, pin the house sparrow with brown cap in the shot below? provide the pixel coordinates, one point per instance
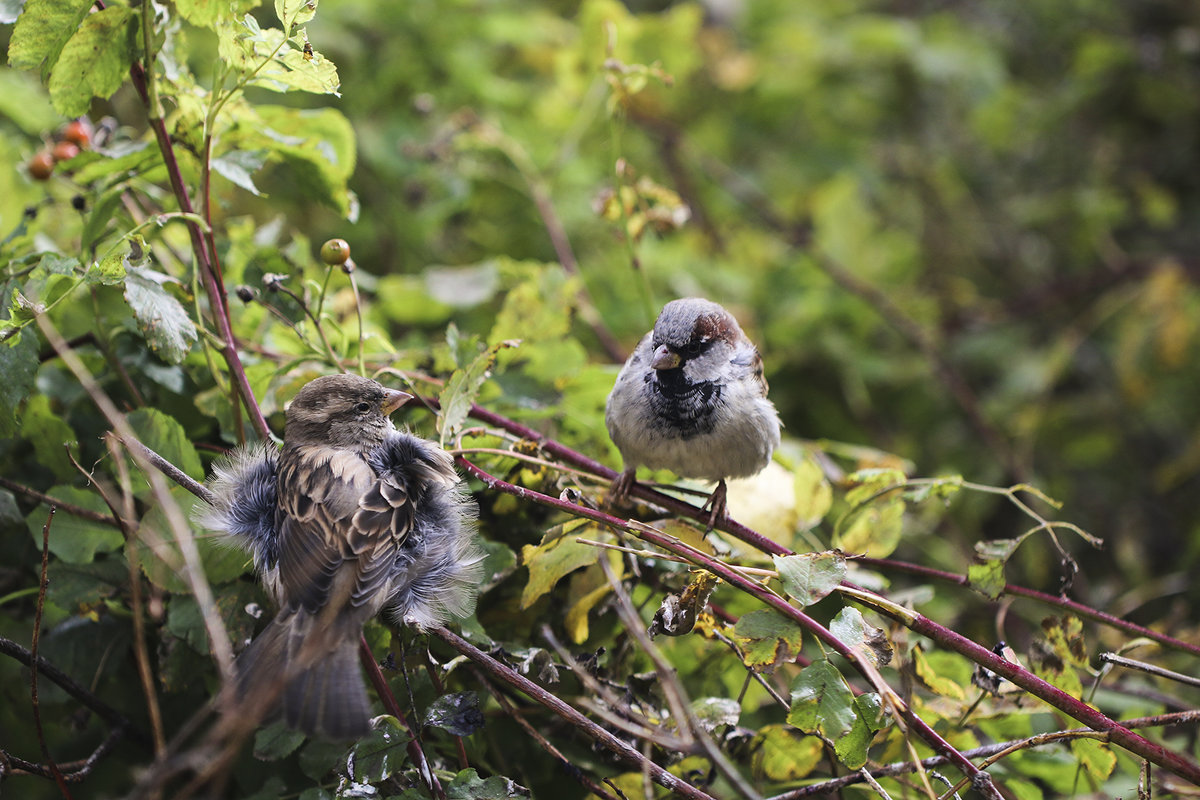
(350, 518)
(692, 399)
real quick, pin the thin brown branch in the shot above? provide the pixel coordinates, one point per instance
(110, 715)
(73, 510)
(619, 749)
(43, 582)
(375, 675)
(1151, 669)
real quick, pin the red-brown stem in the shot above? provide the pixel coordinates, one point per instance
(981, 655)
(1042, 597)
(615, 746)
(205, 258)
(771, 547)
(375, 675)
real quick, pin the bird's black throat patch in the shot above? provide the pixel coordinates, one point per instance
(686, 407)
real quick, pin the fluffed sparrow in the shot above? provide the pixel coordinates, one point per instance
(350, 518)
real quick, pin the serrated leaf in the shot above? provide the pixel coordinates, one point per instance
(557, 555)
(239, 166)
(95, 61)
(808, 577)
(162, 319)
(41, 31)
(74, 539)
(782, 754)
(462, 389)
(164, 435)
(821, 701)
(767, 638)
(18, 365)
(850, 627)
(457, 713)
(73, 585)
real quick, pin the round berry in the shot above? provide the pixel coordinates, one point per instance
(335, 251)
(41, 166)
(64, 151)
(78, 132)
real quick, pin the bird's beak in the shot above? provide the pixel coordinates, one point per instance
(393, 399)
(665, 359)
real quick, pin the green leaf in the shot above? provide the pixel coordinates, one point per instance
(850, 627)
(18, 365)
(808, 577)
(932, 668)
(767, 638)
(74, 539)
(822, 702)
(95, 61)
(783, 754)
(49, 435)
(206, 13)
(42, 30)
(556, 556)
(814, 495)
(467, 785)
(379, 755)
(161, 560)
(1097, 758)
(276, 741)
(184, 621)
(456, 713)
(713, 712)
(239, 166)
(986, 573)
(868, 718)
(295, 12)
(164, 435)
(74, 585)
(276, 62)
(163, 320)
(109, 271)
(462, 389)
(874, 530)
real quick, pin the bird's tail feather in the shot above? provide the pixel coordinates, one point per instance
(318, 694)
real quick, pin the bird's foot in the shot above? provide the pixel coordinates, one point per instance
(618, 492)
(716, 502)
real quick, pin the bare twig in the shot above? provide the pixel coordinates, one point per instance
(1142, 666)
(33, 670)
(73, 510)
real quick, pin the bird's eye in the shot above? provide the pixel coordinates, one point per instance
(692, 348)
(362, 408)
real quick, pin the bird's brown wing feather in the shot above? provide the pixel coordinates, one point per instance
(335, 514)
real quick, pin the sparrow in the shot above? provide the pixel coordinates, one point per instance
(350, 518)
(692, 399)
